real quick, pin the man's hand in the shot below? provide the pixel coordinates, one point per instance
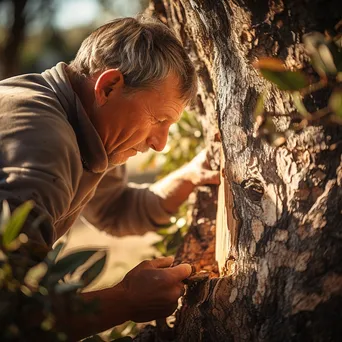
(149, 291)
(198, 171)
(153, 288)
(175, 188)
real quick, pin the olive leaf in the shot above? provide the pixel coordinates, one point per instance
(274, 71)
(53, 254)
(66, 265)
(5, 215)
(335, 103)
(298, 102)
(93, 271)
(69, 287)
(15, 223)
(324, 54)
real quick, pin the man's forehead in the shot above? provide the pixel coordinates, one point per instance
(170, 84)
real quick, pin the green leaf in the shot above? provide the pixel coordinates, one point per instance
(53, 254)
(70, 287)
(335, 103)
(285, 80)
(5, 215)
(93, 271)
(169, 230)
(163, 232)
(114, 334)
(297, 100)
(269, 63)
(16, 222)
(164, 227)
(323, 54)
(273, 69)
(67, 265)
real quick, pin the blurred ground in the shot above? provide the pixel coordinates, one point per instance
(124, 252)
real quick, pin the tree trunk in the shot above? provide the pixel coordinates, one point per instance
(15, 37)
(281, 274)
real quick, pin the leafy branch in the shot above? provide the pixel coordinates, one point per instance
(37, 288)
(325, 54)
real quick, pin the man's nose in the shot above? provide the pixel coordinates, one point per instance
(158, 139)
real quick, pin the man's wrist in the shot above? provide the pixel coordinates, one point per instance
(112, 310)
(177, 193)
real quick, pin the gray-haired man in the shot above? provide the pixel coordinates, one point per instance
(64, 134)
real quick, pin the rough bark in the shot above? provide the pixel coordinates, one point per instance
(283, 275)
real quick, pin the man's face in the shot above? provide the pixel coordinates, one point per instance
(135, 122)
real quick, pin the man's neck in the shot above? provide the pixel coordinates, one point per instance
(84, 90)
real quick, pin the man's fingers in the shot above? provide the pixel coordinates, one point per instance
(181, 272)
(162, 262)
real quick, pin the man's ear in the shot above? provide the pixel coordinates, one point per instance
(110, 80)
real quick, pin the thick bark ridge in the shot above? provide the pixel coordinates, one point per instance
(284, 270)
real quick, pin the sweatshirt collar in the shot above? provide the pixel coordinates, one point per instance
(93, 153)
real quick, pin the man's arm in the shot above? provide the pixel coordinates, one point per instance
(175, 188)
(149, 291)
(121, 209)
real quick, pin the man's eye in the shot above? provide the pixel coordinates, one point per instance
(156, 121)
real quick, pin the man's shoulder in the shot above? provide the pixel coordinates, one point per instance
(30, 90)
(30, 109)
(23, 83)
(29, 97)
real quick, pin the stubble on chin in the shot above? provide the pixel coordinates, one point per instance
(116, 161)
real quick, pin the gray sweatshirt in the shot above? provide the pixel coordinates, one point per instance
(50, 152)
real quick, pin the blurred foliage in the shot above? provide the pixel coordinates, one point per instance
(184, 143)
(125, 331)
(19, 15)
(325, 54)
(31, 40)
(30, 291)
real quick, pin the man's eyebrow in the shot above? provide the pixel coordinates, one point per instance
(168, 117)
(171, 118)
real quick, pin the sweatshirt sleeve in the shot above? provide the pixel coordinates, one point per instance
(122, 208)
(37, 160)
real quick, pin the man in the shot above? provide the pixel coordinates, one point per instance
(64, 134)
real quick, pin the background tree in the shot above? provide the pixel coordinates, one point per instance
(282, 275)
(33, 39)
(19, 15)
